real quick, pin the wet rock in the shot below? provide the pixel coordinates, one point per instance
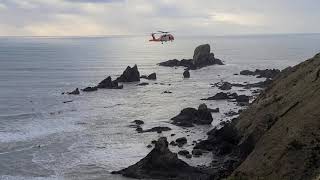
(170, 63)
(173, 143)
(242, 99)
(222, 96)
(181, 141)
(152, 76)
(172, 134)
(186, 74)
(143, 84)
(138, 122)
(183, 152)
(267, 73)
(90, 89)
(166, 92)
(109, 84)
(161, 163)
(197, 152)
(130, 75)
(231, 113)
(216, 110)
(149, 146)
(157, 129)
(139, 129)
(223, 85)
(190, 116)
(74, 92)
(67, 101)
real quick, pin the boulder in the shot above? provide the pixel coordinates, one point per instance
(183, 153)
(224, 86)
(161, 163)
(186, 74)
(190, 116)
(166, 92)
(74, 92)
(90, 89)
(181, 141)
(129, 75)
(152, 76)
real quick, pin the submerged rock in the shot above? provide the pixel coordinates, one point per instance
(90, 89)
(129, 75)
(222, 96)
(190, 116)
(138, 122)
(161, 163)
(74, 92)
(143, 84)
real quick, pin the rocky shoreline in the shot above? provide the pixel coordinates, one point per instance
(275, 137)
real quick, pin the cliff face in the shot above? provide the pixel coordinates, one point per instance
(281, 128)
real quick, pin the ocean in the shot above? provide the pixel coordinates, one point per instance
(43, 138)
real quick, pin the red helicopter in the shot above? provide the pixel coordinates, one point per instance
(165, 37)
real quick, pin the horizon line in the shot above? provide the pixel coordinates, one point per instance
(139, 35)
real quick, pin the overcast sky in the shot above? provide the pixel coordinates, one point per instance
(138, 17)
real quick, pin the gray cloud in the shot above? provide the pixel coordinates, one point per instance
(203, 17)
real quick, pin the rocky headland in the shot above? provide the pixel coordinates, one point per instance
(276, 137)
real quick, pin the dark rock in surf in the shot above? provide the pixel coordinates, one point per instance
(157, 129)
(242, 99)
(181, 141)
(161, 163)
(74, 92)
(190, 116)
(222, 96)
(183, 153)
(267, 73)
(138, 122)
(90, 89)
(186, 74)
(143, 84)
(129, 75)
(109, 84)
(166, 92)
(152, 76)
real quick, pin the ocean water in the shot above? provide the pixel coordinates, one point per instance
(43, 138)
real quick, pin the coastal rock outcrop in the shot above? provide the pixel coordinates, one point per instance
(152, 76)
(107, 83)
(222, 96)
(267, 73)
(277, 136)
(201, 58)
(161, 163)
(130, 75)
(190, 116)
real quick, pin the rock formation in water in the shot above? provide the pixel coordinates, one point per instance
(161, 163)
(186, 74)
(109, 84)
(152, 76)
(129, 75)
(190, 116)
(201, 58)
(74, 92)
